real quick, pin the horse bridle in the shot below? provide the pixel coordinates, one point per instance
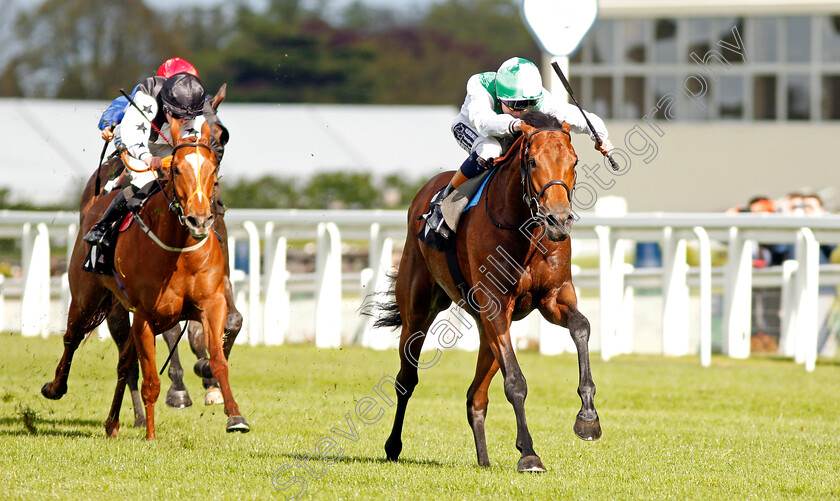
(174, 203)
(530, 195)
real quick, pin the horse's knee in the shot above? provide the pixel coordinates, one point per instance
(579, 327)
(150, 390)
(407, 380)
(233, 323)
(516, 388)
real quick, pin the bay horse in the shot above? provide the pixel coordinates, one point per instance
(531, 272)
(166, 272)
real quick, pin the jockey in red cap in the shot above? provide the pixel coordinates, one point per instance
(174, 66)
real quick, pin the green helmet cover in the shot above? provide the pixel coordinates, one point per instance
(518, 79)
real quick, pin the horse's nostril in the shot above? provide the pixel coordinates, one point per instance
(192, 221)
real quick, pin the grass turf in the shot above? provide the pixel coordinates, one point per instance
(760, 428)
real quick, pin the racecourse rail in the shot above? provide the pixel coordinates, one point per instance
(264, 290)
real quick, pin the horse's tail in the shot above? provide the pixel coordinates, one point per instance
(386, 313)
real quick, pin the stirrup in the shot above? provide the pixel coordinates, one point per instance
(437, 223)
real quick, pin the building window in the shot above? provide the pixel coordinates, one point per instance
(765, 40)
(602, 96)
(665, 41)
(830, 28)
(831, 97)
(602, 36)
(634, 97)
(699, 38)
(798, 97)
(753, 68)
(662, 86)
(634, 42)
(798, 39)
(764, 97)
(731, 98)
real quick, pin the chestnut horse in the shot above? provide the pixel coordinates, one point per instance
(529, 272)
(118, 319)
(167, 270)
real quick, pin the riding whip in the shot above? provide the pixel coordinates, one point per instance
(132, 103)
(568, 87)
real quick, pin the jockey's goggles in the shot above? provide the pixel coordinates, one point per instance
(521, 104)
(177, 115)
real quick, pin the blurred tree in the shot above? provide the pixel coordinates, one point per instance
(342, 190)
(289, 54)
(406, 188)
(263, 193)
(90, 48)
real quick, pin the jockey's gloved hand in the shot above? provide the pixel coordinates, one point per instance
(606, 146)
(108, 133)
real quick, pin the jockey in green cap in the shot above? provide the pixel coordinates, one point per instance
(489, 120)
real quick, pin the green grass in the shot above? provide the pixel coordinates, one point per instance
(761, 428)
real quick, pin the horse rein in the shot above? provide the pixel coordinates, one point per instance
(530, 196)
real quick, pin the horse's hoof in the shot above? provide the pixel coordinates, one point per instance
(237, 423)
(51, 394)
(178, 399)
(202, 368)
(140, 422)
(530, 463)
(112, 429)
(393, 449)
(213, 396)
(588, 430)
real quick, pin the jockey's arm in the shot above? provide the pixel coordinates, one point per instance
(570, 114)
(136, 129)
(480, 107)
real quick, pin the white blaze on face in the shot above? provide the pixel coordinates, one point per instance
(196, 160)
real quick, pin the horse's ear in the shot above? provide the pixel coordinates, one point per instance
(566, 127)
(205, 133)
(527, 129)
(219, 97)
(175, 131)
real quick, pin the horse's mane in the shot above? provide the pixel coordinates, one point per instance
(538, 119)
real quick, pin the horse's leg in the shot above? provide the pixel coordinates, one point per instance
(177, 396)
(562, 310)
(198, 344)
(127, 373)
(143, 340)
(85, 313)
(485, 368)
(516, 389)
(213, 314)
(419, 300)
(126, 370)
(233, 321)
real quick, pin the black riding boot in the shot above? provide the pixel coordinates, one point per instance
(114, 212)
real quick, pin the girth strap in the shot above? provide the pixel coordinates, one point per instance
(451, 253)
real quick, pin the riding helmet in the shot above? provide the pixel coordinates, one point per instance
(174, 66)
(519, 84)
(183, 96)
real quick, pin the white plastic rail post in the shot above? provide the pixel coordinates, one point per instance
(737, 309)
(705, 296)
(328, 287)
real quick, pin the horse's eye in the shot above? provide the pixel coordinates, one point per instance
(175, 170)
